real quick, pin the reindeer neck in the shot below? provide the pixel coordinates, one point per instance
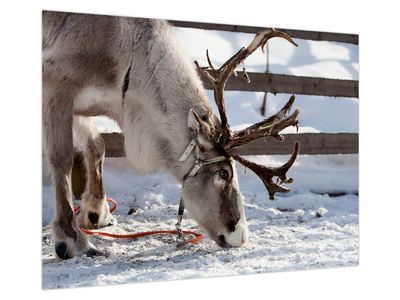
(163, 87)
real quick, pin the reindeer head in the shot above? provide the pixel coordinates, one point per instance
(210, 190)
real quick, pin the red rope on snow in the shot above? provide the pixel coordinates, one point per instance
(197, 236)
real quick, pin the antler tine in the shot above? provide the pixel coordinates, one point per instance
(267, 174)
(204, 71)
(262, 37)
(268, 127)
(209, 61)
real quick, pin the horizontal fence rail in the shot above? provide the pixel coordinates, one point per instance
(300, 34)
(276, 83)
(311, 143)
(114, 144)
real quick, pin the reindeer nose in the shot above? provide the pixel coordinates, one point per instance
(238, 236)
(231, 226)
(221, 241)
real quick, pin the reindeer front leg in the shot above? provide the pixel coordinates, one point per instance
(94, 212)
(68, 239)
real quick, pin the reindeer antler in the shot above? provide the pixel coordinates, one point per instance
(230, 141)
(268, 127)
(266, 174)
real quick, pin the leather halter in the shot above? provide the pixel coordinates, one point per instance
(198, 163)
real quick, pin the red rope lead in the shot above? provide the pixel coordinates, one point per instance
(109, 200)
(198, 237)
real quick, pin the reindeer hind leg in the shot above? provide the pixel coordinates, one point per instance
(94, 212)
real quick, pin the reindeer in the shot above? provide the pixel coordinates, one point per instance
(132, 70)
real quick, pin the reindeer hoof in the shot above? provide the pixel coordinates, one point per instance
(95, 252)
(62, 250)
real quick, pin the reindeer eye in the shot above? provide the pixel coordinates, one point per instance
(224, 174)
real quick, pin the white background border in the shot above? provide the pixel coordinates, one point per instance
(378, 273)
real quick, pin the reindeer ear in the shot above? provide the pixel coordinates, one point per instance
(194, 122)
(200, 130)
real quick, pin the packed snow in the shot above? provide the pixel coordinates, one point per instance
(313, 226)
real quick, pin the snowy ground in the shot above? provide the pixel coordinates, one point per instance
(301, 230)
(307, 228)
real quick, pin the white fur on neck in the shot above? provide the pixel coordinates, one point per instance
(168, 77)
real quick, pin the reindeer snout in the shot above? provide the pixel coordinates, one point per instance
(235, 238)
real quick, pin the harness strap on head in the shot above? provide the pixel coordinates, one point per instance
(198, 162)
(187, 151)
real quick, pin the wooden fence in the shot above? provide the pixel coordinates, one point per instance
(311, 143)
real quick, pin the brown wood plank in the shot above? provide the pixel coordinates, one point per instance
(311, 143)
(300, 34)
(278, 83)
(114, 144)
